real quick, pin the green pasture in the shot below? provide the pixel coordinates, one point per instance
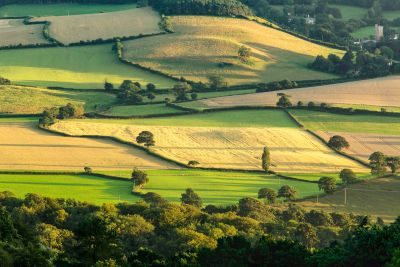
(351, 12)
(216, 187)
(324, 121)
(19, 10)
(364, 32)
(18, 119)
(84, 67)
(235, 118)
(32, 100)
(141, 110)
(92, 189)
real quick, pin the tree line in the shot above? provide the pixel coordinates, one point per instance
(41, 231)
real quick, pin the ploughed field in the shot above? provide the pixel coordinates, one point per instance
(202, 46)
(14, 32)
(222, 141)
(82, 67)
(383, 92)
(25, 147)
(87, 27)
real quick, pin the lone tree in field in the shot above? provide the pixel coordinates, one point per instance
(191, 198)
(268, 194)
(393, 163)
(347, 176)
(265, 159)
(146, 138)
(244, 53)
(284, 101)
(108, 86)
(328, 184)
(377, 160)
(139, 178)
(338, 142)
(287, 192)
(151, 97)
(87, 170)
(193, 163)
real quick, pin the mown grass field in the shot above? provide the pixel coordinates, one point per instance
(366, 124)
(215, 187)
(228, 140)
(141, 110)
(25, 147)
(33, 100)
(132, 22)
(36, 10)
(200, 43)
(376, 197)
(15, 32)
(72, 67)
(95, 190)
(379, 92)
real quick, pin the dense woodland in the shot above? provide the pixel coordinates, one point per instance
(40, 231)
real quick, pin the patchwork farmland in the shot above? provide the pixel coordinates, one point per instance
(293, 149)
(201, 44)
(14, 32)
(73, 29)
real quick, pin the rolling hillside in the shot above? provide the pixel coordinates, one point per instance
(203, 46)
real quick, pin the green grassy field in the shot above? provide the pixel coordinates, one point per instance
(18, 119)
(95, 190)
(215, 187)
(140, 110)
(351, 12)
(242, 118)
(58, 9)
(322, 121)
(364, 32)
(32, 100)
(73, 67)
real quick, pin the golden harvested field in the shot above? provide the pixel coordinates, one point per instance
(292, 150)
(132, 22)
(376, 197)
(24, 147)
(363, 145)
(382, 92)
(15, 32)
(200, 43)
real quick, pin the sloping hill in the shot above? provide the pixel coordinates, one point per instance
(202, 46)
